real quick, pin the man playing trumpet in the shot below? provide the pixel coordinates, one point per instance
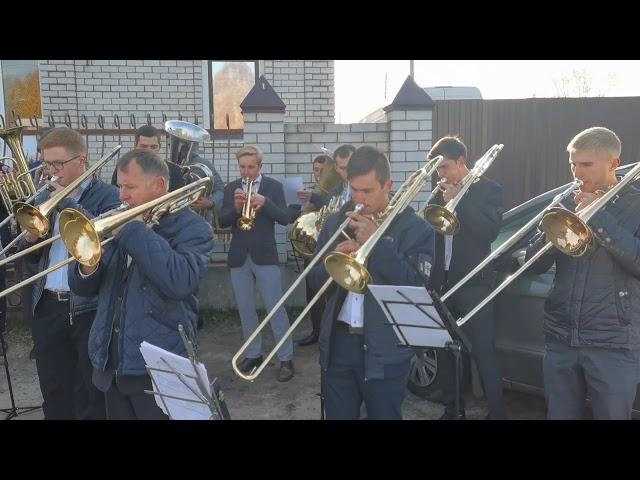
(253, 256)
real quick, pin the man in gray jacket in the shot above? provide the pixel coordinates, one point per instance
(592, 314)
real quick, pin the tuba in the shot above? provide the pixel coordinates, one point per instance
(184, 138)
(17, 185)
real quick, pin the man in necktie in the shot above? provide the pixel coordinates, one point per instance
(253, 256)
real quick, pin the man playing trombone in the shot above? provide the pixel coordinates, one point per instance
(359, 356)
(61, 320)
(145, 282)
(479, 214)
(592, 314)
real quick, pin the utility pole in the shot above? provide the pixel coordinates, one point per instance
(411, 68)
(385, 85)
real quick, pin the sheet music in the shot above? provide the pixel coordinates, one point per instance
(291, 186)
(416, 326)
(160, 362)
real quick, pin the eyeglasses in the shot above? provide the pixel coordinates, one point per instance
(59, 165)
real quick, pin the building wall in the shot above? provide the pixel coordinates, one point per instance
(135, 89)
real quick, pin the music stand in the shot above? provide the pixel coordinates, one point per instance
(431, 324)
(211, 397)
(14, 411)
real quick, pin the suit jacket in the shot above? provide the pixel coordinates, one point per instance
(260, 241)
(480, 215)
(405, 247)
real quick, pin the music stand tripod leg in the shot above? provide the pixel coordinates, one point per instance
(13, 411)
(454, 347)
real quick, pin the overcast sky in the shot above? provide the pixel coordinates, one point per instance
(360, 84)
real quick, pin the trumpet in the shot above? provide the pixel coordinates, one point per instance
(84, 238)
(443, 219)
(248, 219)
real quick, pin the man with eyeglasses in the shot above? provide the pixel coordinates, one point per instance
(61, 320)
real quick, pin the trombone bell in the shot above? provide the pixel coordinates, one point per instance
(80, 237)
(567, 232)
(347, 272)
(31, 219)
(441, 219)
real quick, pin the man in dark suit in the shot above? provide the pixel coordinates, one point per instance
(359, 354)
(253, 256)
(480, 215)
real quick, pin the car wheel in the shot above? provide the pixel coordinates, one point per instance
(424, 380)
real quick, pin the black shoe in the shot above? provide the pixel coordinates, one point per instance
(309, 340)
(248, 364)
(449, 414)
(286, 371)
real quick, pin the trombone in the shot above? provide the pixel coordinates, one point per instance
(248, 219)
(398, 203)
(349, 271)
(34, 219)
(443, 219)
(84, 238)
(256, 371)
(565, 230)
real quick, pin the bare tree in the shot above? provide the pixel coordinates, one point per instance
(580, 84)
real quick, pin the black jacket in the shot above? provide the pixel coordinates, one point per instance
(480, 215)
(260, 241)
(595, 298)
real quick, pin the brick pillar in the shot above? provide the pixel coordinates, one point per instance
(410, 133)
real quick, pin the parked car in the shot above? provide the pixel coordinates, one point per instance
(519, 311)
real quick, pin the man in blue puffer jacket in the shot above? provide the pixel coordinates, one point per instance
(146, 283)
(592, 314)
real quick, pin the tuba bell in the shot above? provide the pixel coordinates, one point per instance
(184, 139)
(17, 185)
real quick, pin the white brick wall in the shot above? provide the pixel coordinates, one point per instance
(409, 142)
(306, 87)
(122, 87)
(289, 141)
